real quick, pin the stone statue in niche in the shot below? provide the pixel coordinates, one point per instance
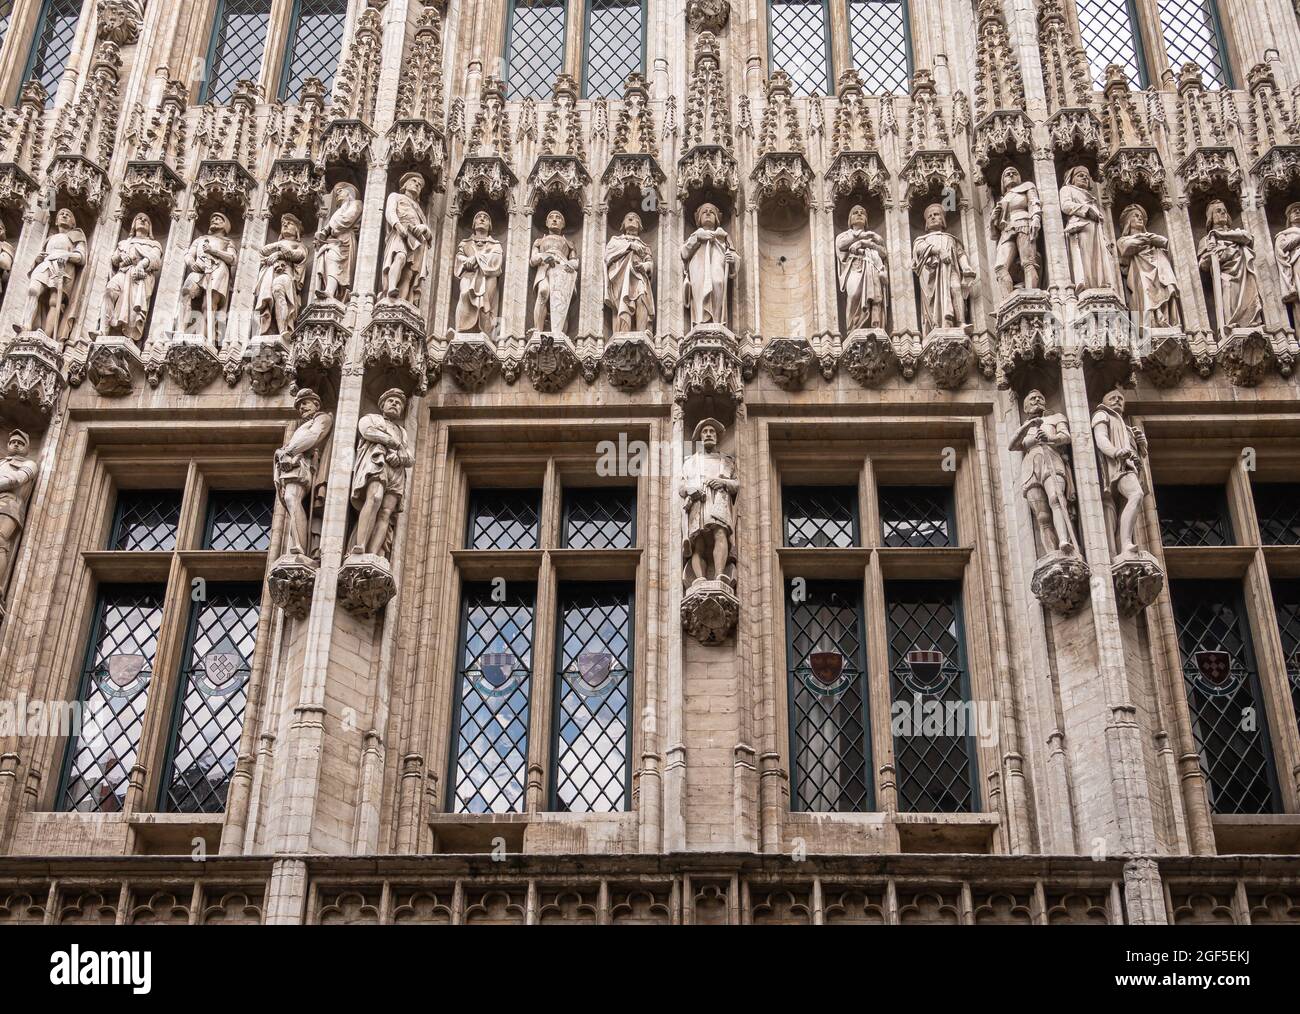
(336, 245)
(1120, 450)
(379, 478)
(710, 263)
(1149, 271)
(6, 259)
(209, 267)
(944, 272)
(302, 469)
(863, 277)
(406, 260)
(708, 490)
(629, 273)
(1017, 221)
(1287, 251)
(1045, 478)
(17, 476)
(480, 259)
(279, 279)
(52, 288)
(135, 265)
(556, 261)
(1227, 254)
(1085, 238)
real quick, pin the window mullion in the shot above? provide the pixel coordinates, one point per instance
(877, 650)
(1274, 681)
(276, 55)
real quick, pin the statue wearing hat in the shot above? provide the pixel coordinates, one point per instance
(279, 280)
(406, 247)
(302, 468)
(379, 478)
(708, 491)
(17, 475)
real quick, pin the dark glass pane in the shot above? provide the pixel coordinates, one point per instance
(114, 693)
(878, 38)
(52, 43)
(935, 762)
(1277, 505)
(239, 521)
(535, 50)
(614, 43)
(1109, 37)
(1228, 721)
(504, 519)
(1193, 516)
(916, 516)
(821, 516)
(147, 520)
(490, 752)
(237, 51)
(1191, 36)
(799, 44)
(6, 15)
(1286, 600)
(315, 40)
(214, 688)
(599, 519)
(829, 729)
(594, 687)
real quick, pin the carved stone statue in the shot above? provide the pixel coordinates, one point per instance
(209, 265)
(379, 478)
(710, 263)
(1120, 450)
(302, 468)
(6, 260)
(556, 261)
(944, 272)
(863, 277)
(406, 248)
(1149, 271)
(279, 279)
(1287, 250)
(1228, 256)
(629, 270)
(54, 279)
(1085, 239)
(708, 490)
(336, 245)
(480, 259)
(135, 264)
(17, 476)
(1045, 477)
(1017, 220)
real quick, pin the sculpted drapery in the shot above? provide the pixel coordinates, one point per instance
(629, 269)
(1228, 256)
(135, 264)
(480, 260)
(863, 277)
(944, 272)
(710, 263)
(1149, 271)
(1085, 239)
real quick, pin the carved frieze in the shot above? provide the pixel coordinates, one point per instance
(1028, 333)
(788, 361)
(471, 360)
(192, 362)
(419, 144)
(551, 361)
(629, 360)
(707, 15)
(346, 142)
(858, 171)
(488, 177)
(868, 356)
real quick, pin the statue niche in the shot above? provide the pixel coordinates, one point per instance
(708, 489)
(554, 261)
(133, 275)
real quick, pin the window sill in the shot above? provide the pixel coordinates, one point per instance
(1257, 833)
(175, 833)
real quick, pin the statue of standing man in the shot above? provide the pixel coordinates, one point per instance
(944, 272)
(302, 468)
(209, 265)
(1227, 254)
(1017, 220)
(406, 247)
(480, 259)
(336, 245)
(379, 479)
(1120, 450)
(708, 490)
(556, 260)
(17, 476)
(53, 281)
(1045, 477)
(863, 277)
(629, 269)
(710, 263)
(135, 264)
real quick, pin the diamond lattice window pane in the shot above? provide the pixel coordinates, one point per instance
(821, 516)
(1277, 505)
(315, 39)
(1222, 688)
(1109, 37)
(494, 680)
(146, 520)
(878, 37)
(599, 519)
(535, 50)
(1286, 600)
(1191, 36)
(504, 519)
(239, 521)
(594, 686)
(113, 697)
(829, 727)
(916, 516)
(6, 15)
(237, 50)
(615, 40)
(210, 718)
(799, 44)
(1193, 516)
(935, 762)
(52, 43)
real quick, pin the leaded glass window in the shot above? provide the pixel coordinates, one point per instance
(599, 519)
(1277, 505)
(490, 727)
(1286, 602)
(821, 516)
(615, 45)
(535, 47)
(6, 14)
(592, 732)
(52, 44)
(799, 43)
(1109, 32)
(146, 520)
(505, 519)
(932, 717)
(1193, 516)
(112, 698)
(212, 692)
(1229, 723)
(239, 521)
(315, 39)
(235, 53)
(916, 516)
(830, 729)
(1192, 34)
(880, 39)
